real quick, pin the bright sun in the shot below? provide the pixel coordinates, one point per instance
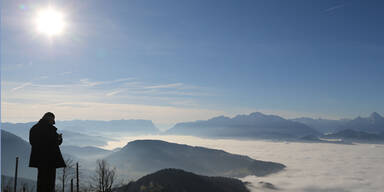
(50, 22)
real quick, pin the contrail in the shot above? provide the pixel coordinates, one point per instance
(334, 8)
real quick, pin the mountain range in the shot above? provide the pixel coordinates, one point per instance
(113, 127)
(359, 136)
(89, 132)
(374, 123)
(322, 125)
(254, 125)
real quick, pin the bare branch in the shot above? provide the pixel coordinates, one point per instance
(104, 177)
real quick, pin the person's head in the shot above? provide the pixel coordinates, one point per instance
(49, 117)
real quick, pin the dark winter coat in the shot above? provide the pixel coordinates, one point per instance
(45, 146)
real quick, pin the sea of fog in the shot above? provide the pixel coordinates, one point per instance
(311, 167)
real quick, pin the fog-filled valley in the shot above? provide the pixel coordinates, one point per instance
(310, 167)
(269, 152)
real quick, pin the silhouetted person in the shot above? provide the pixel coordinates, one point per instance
(45, 154)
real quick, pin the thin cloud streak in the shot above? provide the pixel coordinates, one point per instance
(334, 8)
(112, 88)
(114, 92)
(88, 83)
(82, 83)
(66, 73)
(21, 86)
(173, 85)
(68, 97)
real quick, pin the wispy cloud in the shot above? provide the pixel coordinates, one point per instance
(51, 85)
(22, 86)
(90, 83)
(81, 83)
(114, 92)
(66, 73)
(172, 85)
(113, 87)
(90, 96)
(334, 8)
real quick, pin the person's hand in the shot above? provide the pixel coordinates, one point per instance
(60, 139)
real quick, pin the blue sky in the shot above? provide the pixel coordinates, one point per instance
(172, 61)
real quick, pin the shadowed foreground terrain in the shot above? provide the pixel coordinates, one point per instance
(176, 180)
(13, 146)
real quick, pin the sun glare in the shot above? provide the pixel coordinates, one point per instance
(50, 22)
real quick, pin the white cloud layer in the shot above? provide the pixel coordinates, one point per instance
(311, 167)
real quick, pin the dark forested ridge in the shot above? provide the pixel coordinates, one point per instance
(141, 157)
(176, 180)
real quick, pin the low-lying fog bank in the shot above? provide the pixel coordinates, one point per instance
(311, 167)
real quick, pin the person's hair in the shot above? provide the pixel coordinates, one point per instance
(48, 115)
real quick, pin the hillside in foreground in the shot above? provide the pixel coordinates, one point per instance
(176, 180)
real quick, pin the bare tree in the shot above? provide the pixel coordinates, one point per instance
(7, 187)
(27, 187)
(66, 173)
(104, 177)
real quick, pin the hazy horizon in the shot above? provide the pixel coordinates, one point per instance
(162, 126)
